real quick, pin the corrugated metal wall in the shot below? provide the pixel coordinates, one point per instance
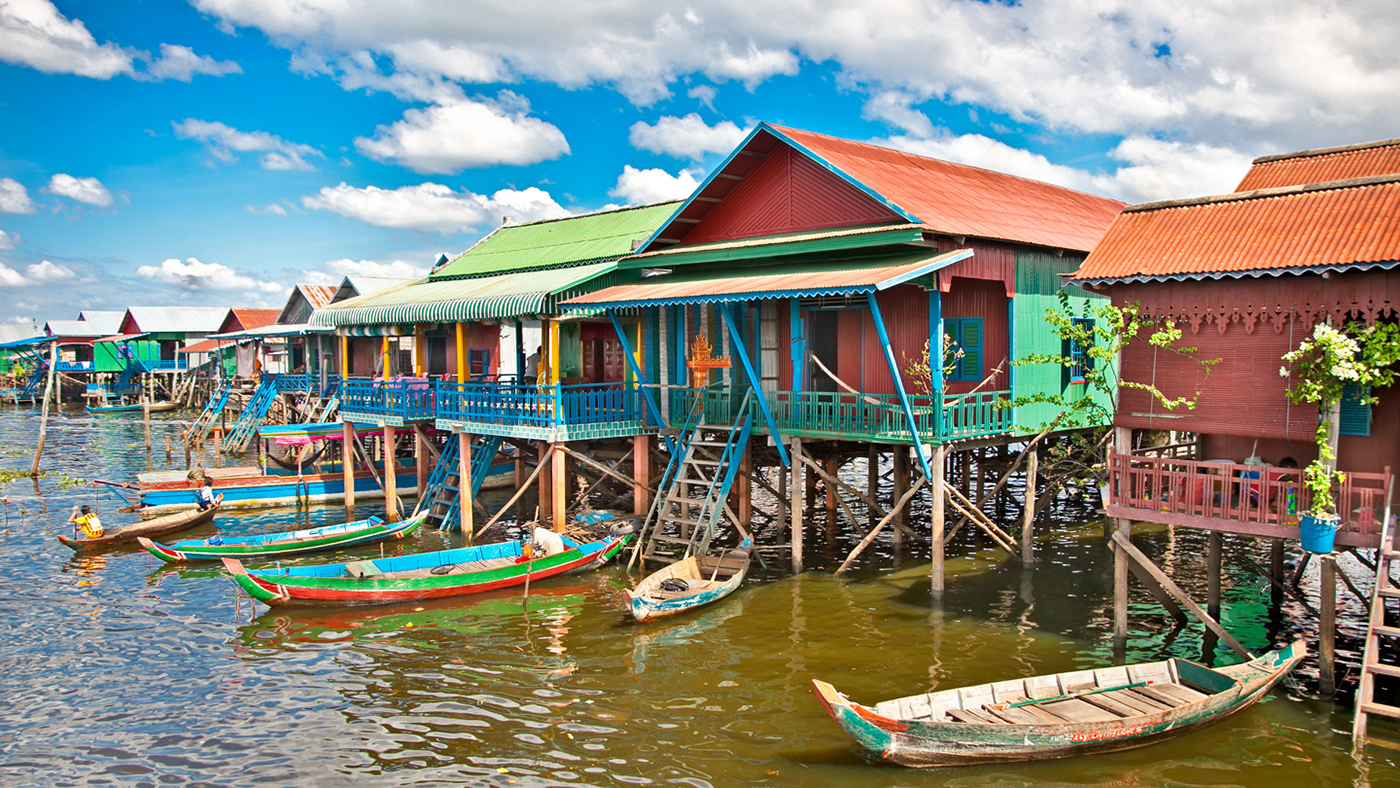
(987, 300)
(991, 261)
(905, 309)
(787, 193)
(1038, 281)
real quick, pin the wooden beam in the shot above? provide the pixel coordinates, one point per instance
(1128, 550)
(347, 467)
(832, 483)
(641, 472)
(545, 454)
(1153, 588)
(1327, 628)
(799, 473)
(465, 499)
(980, 519)
(636, 484)
(559, 516)
(870, 537)
(1028, 512)
(391, 488)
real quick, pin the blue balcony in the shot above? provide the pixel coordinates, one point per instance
(75, 366)
(386, 402)
(296, 384)
(166, 364)
(541, 412)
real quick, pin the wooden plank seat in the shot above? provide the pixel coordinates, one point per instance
(693, 587)
(455, 569)
(1090, 706)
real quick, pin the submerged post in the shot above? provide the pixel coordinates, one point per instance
(936, 579)
(1327, 628)
(44, 414)
(1122, 444)
(641, 471)
(465, 504)
(560, 498)
(1028, 514)
(798, 490)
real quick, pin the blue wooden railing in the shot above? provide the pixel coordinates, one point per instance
(75, 366)
(166, 365)
(288, 383)
(510, 404)
(410, 400)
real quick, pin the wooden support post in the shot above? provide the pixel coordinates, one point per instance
(347, 465)
(872, 477)
(832, 468)
(545, 473)
(900, 457)
(641, 471)
(1327, 627)
(1213, 549)
(391, 489)
(218, 450)
(1129, 551)
(799, 488)
(1277, 571)
(783, 494)
(465, 509)
(559, 474)
(745, 483)
(420, 457)
(44, 410)
(1122, 444)
(938, 467)
(1028, 512)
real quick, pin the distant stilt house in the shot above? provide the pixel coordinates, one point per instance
(152, 337)
(477, 349)
(1309, 237)
(230, 363)
(795, 292)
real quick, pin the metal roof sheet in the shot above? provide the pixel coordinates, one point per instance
(605, 235)
(103, 322)
(317, 295)
(499, 297)
(78, 328)
(850, 277)
(1319, 166)
(1316, 227)
(178, 319)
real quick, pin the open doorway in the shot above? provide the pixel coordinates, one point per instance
(821, 344)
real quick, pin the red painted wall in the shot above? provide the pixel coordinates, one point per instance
(788, 193)
(985, 299)
(905, 310)
(991, 261)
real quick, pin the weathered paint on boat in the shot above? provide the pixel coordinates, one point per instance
(307, 540)
(923, 742)
(159, 407)
(648, 601)
(377, 583)
(129, 533)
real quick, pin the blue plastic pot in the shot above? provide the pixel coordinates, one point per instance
(1318, 533)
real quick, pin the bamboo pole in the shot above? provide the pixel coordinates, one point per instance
(543, 463)
(44, 411)
(1028, 513)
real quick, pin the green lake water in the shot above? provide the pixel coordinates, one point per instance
(115, 670)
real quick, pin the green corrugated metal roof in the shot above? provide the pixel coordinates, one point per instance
(606, 235)
(500, 297)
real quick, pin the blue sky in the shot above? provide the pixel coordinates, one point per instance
(219, 151)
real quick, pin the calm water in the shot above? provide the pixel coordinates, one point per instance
(119, 671)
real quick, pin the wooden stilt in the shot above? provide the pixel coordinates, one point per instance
(558, 496)
(938, 467)
(421, 457)
(783, 494)
(1277, 571)
(44, 410)
(832, 467)
(1327, 627)
(391, 487)
(641, 471)
(466, 512)
(872, 476)
(218, 450)
(901, 485)
(545, 472)
(1213, 549)
(799, 489)
(745, 484)
(879, 526)
(519, 479)
(347, 465)
(1122, 444)
(1028, 512)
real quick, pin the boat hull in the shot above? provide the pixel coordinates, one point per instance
(924, 743)
(334, 586)
(646, 605)
(159, 407)
(292, 543)
(160, 526)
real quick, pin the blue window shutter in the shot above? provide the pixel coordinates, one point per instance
(1356, 415)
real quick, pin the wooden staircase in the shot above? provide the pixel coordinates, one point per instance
(1377, 631)
(441, 497)
(245, 429)
(695, 486)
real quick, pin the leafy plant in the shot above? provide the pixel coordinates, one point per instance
(920, 369)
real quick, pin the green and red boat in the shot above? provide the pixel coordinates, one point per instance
(1058, 715)
(306, 540)
(407, 578)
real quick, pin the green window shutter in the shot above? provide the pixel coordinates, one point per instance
(1356, 415)
(972, 349)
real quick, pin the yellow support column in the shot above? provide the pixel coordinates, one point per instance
(344, 357)
(384, 358)
(418, 364)
(553, 350)
(461, 352)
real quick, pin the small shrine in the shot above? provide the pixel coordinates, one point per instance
(702, 360)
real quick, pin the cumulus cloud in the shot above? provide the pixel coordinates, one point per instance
(893, 107)
(432, 207)
(14, 198)
(639, 187)
(686, 138)
(192, 275)
(9, 240)
(705, 94)
(12, 278)
(223, 143)
(49, 272)
(33, 33)
(335, 270)
(181, 63)
(276, 209)
(448, 138)
(86, 190)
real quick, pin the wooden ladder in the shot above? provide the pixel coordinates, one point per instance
(1372, 664)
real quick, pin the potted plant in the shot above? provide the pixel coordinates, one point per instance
(1325, 364)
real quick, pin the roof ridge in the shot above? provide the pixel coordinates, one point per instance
(1257, 194)
(1326, 151)
(585, 215)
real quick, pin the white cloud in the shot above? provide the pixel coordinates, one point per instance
(46, 271)
(14, 198)
(193, 275)
(335, 270)
(12, 278)
(639, 187)
(275, 209)
(33, 33)
(9, 240)
(432, 207)
(705, 94)
(448, 138)
(223, 141)
(893, 107)
(687, 138)
(1149, 169)
(87, 190)
(181, 63)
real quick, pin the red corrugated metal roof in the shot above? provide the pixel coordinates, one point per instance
(1323, 165)
(255, 318)
(317, 295)
(204, 346)
(958, 199)
(1312, 227)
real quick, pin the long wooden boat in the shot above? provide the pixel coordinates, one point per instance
(690, 583)
(1059, 715)
(446, 573)
(156, 407)
(160, 526)
(306, 540)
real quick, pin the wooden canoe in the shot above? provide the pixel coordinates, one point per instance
(446, 573)
(307, 540)
(1054, 716)
(156, 407)
(690, 583)
(160, 526)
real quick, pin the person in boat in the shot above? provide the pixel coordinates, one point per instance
(204, 497)
(86, 521)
